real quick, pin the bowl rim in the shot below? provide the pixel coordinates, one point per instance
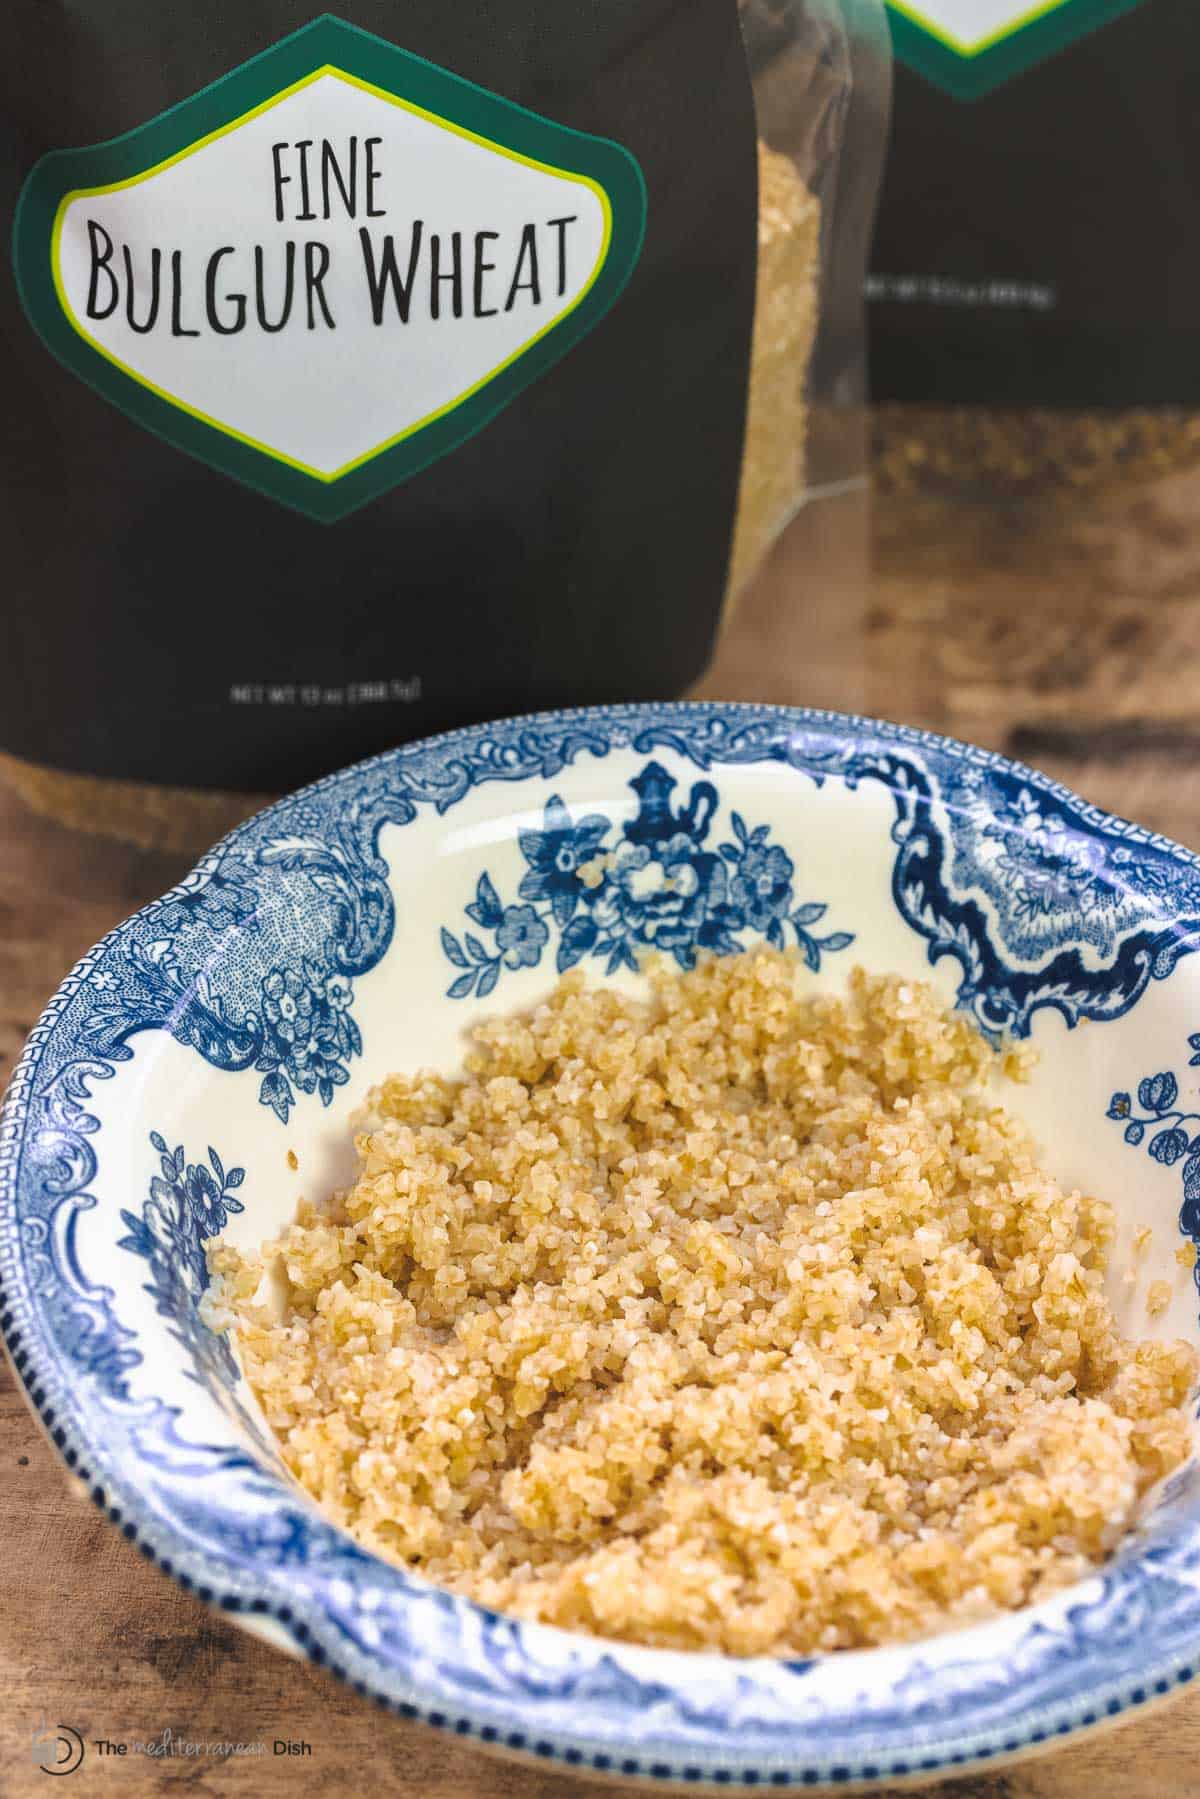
(1145, 1680)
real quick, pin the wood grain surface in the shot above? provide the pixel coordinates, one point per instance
(1068, 636)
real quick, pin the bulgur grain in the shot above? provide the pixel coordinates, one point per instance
(1158, 1297)
(739, 1317)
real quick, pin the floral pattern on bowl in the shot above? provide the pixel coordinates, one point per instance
(652, 887)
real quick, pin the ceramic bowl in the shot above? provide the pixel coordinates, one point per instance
(356, 928)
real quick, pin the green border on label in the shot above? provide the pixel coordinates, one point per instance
(328, 46)
(969, 72)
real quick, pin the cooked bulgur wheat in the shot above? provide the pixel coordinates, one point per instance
(1158, 1297)
(738, 1317)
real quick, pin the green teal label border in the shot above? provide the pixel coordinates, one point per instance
(410, 80)
(1049, 27)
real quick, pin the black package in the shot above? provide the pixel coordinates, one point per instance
(1036, 244)
(396, 367)
(233, 582)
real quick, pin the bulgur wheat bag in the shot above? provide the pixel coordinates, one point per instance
(375, 372)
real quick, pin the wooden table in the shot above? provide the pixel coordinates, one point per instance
(1068, 636)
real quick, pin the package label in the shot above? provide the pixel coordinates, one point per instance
(970, 47)
(330, 268)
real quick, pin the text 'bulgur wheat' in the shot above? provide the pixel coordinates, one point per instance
(737, 1317)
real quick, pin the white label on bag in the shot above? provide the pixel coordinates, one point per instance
(969, 25)
(330, 274)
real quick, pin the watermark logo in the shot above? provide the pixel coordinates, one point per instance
(59, 1748)
(55, 1748)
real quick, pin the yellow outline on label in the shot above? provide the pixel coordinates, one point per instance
(545, 168)
(913, 12)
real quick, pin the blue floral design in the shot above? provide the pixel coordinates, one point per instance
(189, 1202)
(521, 936)
(556, 854)
(306, 1035)
(1049, 864)
(762, 888)
(655, 887)
(225, 901)
(1176, 1135)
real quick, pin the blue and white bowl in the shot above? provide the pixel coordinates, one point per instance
(355, 929)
